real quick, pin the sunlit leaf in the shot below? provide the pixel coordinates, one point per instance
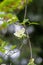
(11, 5)
(5, 24)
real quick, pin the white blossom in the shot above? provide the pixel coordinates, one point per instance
(20, 33)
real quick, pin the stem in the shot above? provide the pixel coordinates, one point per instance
(28, 39)
(25, 9)
(30, 49)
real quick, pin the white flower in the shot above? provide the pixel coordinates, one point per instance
(15, 54)
(20, 33)
(1, 22)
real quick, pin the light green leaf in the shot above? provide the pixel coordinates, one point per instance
(33, 23)
(2, 50)
(5, 24)
(24, 21)
(4, 44)
(13, 47)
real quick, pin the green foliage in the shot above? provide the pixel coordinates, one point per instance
(2, 45)
(1, 60)
(13, 47)
(30, 23)
(33, 23)
(24, 21)
(8, 19)
(11, 5)
(2, 50)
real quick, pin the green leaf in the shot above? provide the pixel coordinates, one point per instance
(11, 5)
(9, 15)
(4, 44)
(2, 50)
(12, 20)
(33, 23)
(1, 60)
(13, 47)
(5, 24)
(8, 19)
(24, 21)
(8, 5)
(2, 15)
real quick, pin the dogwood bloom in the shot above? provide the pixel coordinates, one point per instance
(20, 33)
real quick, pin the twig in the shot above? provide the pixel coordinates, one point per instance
(28, 39)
